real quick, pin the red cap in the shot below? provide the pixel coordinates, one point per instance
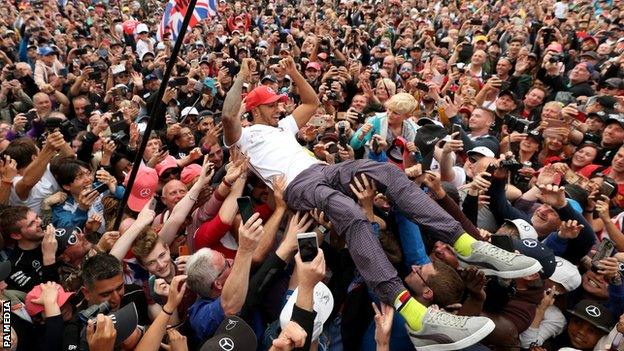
(33, 308)
(190, 172)
(314, 65)
(262, 95)
(168, 163)
(143, 188)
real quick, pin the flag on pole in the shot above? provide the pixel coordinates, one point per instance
(173, 16)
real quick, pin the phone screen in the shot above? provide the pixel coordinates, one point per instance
(605, 250)
(245, 208)
(606, 189)
(102, 188)
(308, 246)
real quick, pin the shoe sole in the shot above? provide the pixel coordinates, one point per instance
(521, 273)
(474, 338)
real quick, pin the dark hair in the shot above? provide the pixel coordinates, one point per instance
(447, 285)
(22, 150)
(66, 169)
(8, 221)
(102, 266)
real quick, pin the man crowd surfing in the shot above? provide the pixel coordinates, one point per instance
(320, 175)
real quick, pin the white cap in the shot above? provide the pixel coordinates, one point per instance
(483, 151)
(525, 229)
(142, 27)
(566, 274)
(323, 306)
(189, 110)
(160, 46)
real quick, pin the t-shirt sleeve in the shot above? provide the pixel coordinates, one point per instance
(289, 124)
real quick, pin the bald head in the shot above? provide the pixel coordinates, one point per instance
(173, 192)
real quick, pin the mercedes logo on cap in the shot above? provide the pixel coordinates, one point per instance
(231, 324)
(58, 232)
(145, 192)
(593, 311)
(226, 344)
(529, 243)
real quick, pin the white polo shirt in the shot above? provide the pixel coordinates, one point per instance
(275, 150)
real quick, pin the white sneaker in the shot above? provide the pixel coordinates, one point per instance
(444, 331)
(492, 260)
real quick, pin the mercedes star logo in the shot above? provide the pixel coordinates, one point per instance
(145, 192)
(529, 243)
(231, 324)
(593, 311)
(226, 344)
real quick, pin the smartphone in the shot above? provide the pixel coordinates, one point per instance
(245, 208)
(194, 63)
(274, 60)
(443, 44)
(456, 129)
(337, 62)
(317, 121)
(422, 86)
(101, 188)
(184, 250)
(308, 246)
(476, 22)
(503, 241)
(153, 203)
(31, 115)
(607, 189)
(605, 250)
(178, 81)
(63, 72)
(163, 148)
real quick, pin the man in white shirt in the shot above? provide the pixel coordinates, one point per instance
(272, 149)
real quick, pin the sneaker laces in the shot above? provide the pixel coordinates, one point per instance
(496, 252)
(446, 319)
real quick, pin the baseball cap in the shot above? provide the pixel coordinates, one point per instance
(5, 270)
(66, 236)
(190, 172)
(329, 136)
(591, 54)
(143, 188)
(168, 163)
(525, 229)
(269, 77)
(600, 115)
(589, 37)
(615, 118)
(262, 95)
(427, 137)
(147, 53)
(142, 28)
(510, 93)
(151, 77)
(566, 274)
(314, 65)
(595, 314)
(481, 150)
(323, 305)
(606, 101)
(232, 334)
(34, 309)
(536, 135)
(479, 38)
(535, 249)
(189, 110)
(45, 51)
(125, 321)
(613, 83)
(426, 120)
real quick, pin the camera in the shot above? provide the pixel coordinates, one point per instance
(92, 311)
(515, 124)
(119, 138)
(511, 164)
(331, 95)
(51, 124)
(555, 58)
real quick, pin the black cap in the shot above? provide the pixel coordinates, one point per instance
(270, 77)
(536, 135)
(125, 321)
(614, 83)
(600, 115)
(615, 118)
(66, 237)
(606, 101)
(595, 314)
(232, 334)
(509, 93)
(543, 254)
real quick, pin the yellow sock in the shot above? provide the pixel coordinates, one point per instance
(463, 245)
(412, 310)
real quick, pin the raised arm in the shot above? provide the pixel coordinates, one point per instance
(309, 100)
(182, 208)
(231, 106)
(123, 244)
(35, 170)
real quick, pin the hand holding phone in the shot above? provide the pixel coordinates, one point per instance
(245, 208)
(308, 246)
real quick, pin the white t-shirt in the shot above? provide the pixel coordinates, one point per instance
(561, 10)
(273, 151)
(45, 187)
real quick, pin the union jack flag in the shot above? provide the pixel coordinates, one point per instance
(173, 16)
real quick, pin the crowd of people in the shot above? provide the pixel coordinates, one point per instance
(460, 164)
